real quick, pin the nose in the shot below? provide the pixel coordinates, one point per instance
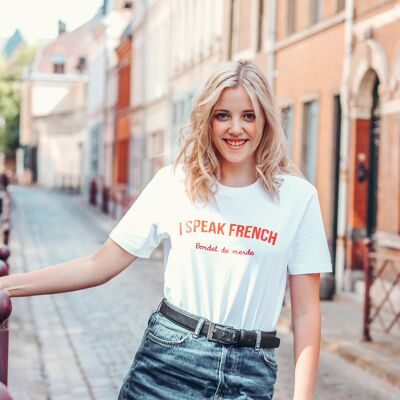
(236, 126)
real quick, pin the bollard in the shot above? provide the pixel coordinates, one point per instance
(5, 312)
(4, 269)
(93, 192)
(4, 394)
(6, 232)
(105, 199)
(4, 252)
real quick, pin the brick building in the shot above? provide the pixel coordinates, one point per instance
(334, 67)
(122, 122)
(53, 111)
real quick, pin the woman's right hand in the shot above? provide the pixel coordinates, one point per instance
(85, 272)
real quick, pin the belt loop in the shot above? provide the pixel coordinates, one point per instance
(258, 340)
(199, 325)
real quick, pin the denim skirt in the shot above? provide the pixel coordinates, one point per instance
(173, 363)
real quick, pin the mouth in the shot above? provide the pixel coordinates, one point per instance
(235, 144)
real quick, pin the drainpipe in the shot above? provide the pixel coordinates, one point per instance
(271, 45)
(344, 148)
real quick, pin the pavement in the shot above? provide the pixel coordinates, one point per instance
(81, 344)
(341, 334)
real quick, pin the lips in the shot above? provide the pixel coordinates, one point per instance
(235, 144)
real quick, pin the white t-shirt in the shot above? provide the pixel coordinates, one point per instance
(228, 260)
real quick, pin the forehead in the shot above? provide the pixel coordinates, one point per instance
(235, 98)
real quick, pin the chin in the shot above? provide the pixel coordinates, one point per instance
(236, 160)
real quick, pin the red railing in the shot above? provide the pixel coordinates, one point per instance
(5, 301)
(382, 288)
(5, 312)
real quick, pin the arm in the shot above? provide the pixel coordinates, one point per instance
(306, 322)
(81, 273)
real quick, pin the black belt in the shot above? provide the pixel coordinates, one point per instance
(218, 333)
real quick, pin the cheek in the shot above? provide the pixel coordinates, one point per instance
(217, 129)
(253, 131)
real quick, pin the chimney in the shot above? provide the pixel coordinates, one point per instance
(62, 28)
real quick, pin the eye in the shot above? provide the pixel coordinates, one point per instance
(249, 116)
(222, 116)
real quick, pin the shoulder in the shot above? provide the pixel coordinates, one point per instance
(168, 174)
(296, 187)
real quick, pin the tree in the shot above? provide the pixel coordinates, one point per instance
(10, 78)
(9, 117)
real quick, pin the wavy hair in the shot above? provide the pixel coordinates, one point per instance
(200, 157)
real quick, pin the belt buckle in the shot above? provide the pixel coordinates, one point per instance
(228, 337)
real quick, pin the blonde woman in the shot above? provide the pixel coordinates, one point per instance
(236, 219)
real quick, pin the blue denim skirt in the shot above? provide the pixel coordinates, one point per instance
(173, 363)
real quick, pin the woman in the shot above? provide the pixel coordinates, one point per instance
(236, 218)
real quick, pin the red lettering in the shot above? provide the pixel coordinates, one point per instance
(256, 233)
(196, 224)
(272, 237)
(204, 226)
(231, 228)
(221, 228)
(212, 227)
(247, 232)
(264, 234)
(188, 226)
(243, 252)
(240, 229)
(180, 228)
(200, 246)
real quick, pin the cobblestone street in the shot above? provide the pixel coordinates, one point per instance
(80, 345)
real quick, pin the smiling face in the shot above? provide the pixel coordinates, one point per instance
(234, 129)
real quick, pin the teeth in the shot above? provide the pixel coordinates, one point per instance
(236, 143)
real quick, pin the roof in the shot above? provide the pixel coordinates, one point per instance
(12, 43)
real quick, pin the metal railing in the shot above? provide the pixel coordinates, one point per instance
(382, 288)
(5, 301)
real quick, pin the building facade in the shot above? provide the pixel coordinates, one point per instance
(53, 112)
(334, 68)
(101, 101)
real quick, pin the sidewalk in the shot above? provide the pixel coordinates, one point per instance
(342, 335)
(76, 345)
(60, 347)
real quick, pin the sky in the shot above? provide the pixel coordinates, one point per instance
(38, 19)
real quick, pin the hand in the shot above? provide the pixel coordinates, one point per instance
(3, 286)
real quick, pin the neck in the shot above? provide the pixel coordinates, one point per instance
(238, 175)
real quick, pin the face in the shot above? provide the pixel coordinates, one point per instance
(234, 127)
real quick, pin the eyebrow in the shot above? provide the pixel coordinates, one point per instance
(221, 109)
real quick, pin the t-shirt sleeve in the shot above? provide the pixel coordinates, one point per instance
(310, 252)
(137, 232)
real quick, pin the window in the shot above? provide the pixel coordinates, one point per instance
(315, 11)
(340, 5)
(155, 151)
(291, 16)
(287, 122)
(81, 65)
(58, 64)
(309, 142)
(94, 149)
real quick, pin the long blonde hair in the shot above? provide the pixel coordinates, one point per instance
(200, 158)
